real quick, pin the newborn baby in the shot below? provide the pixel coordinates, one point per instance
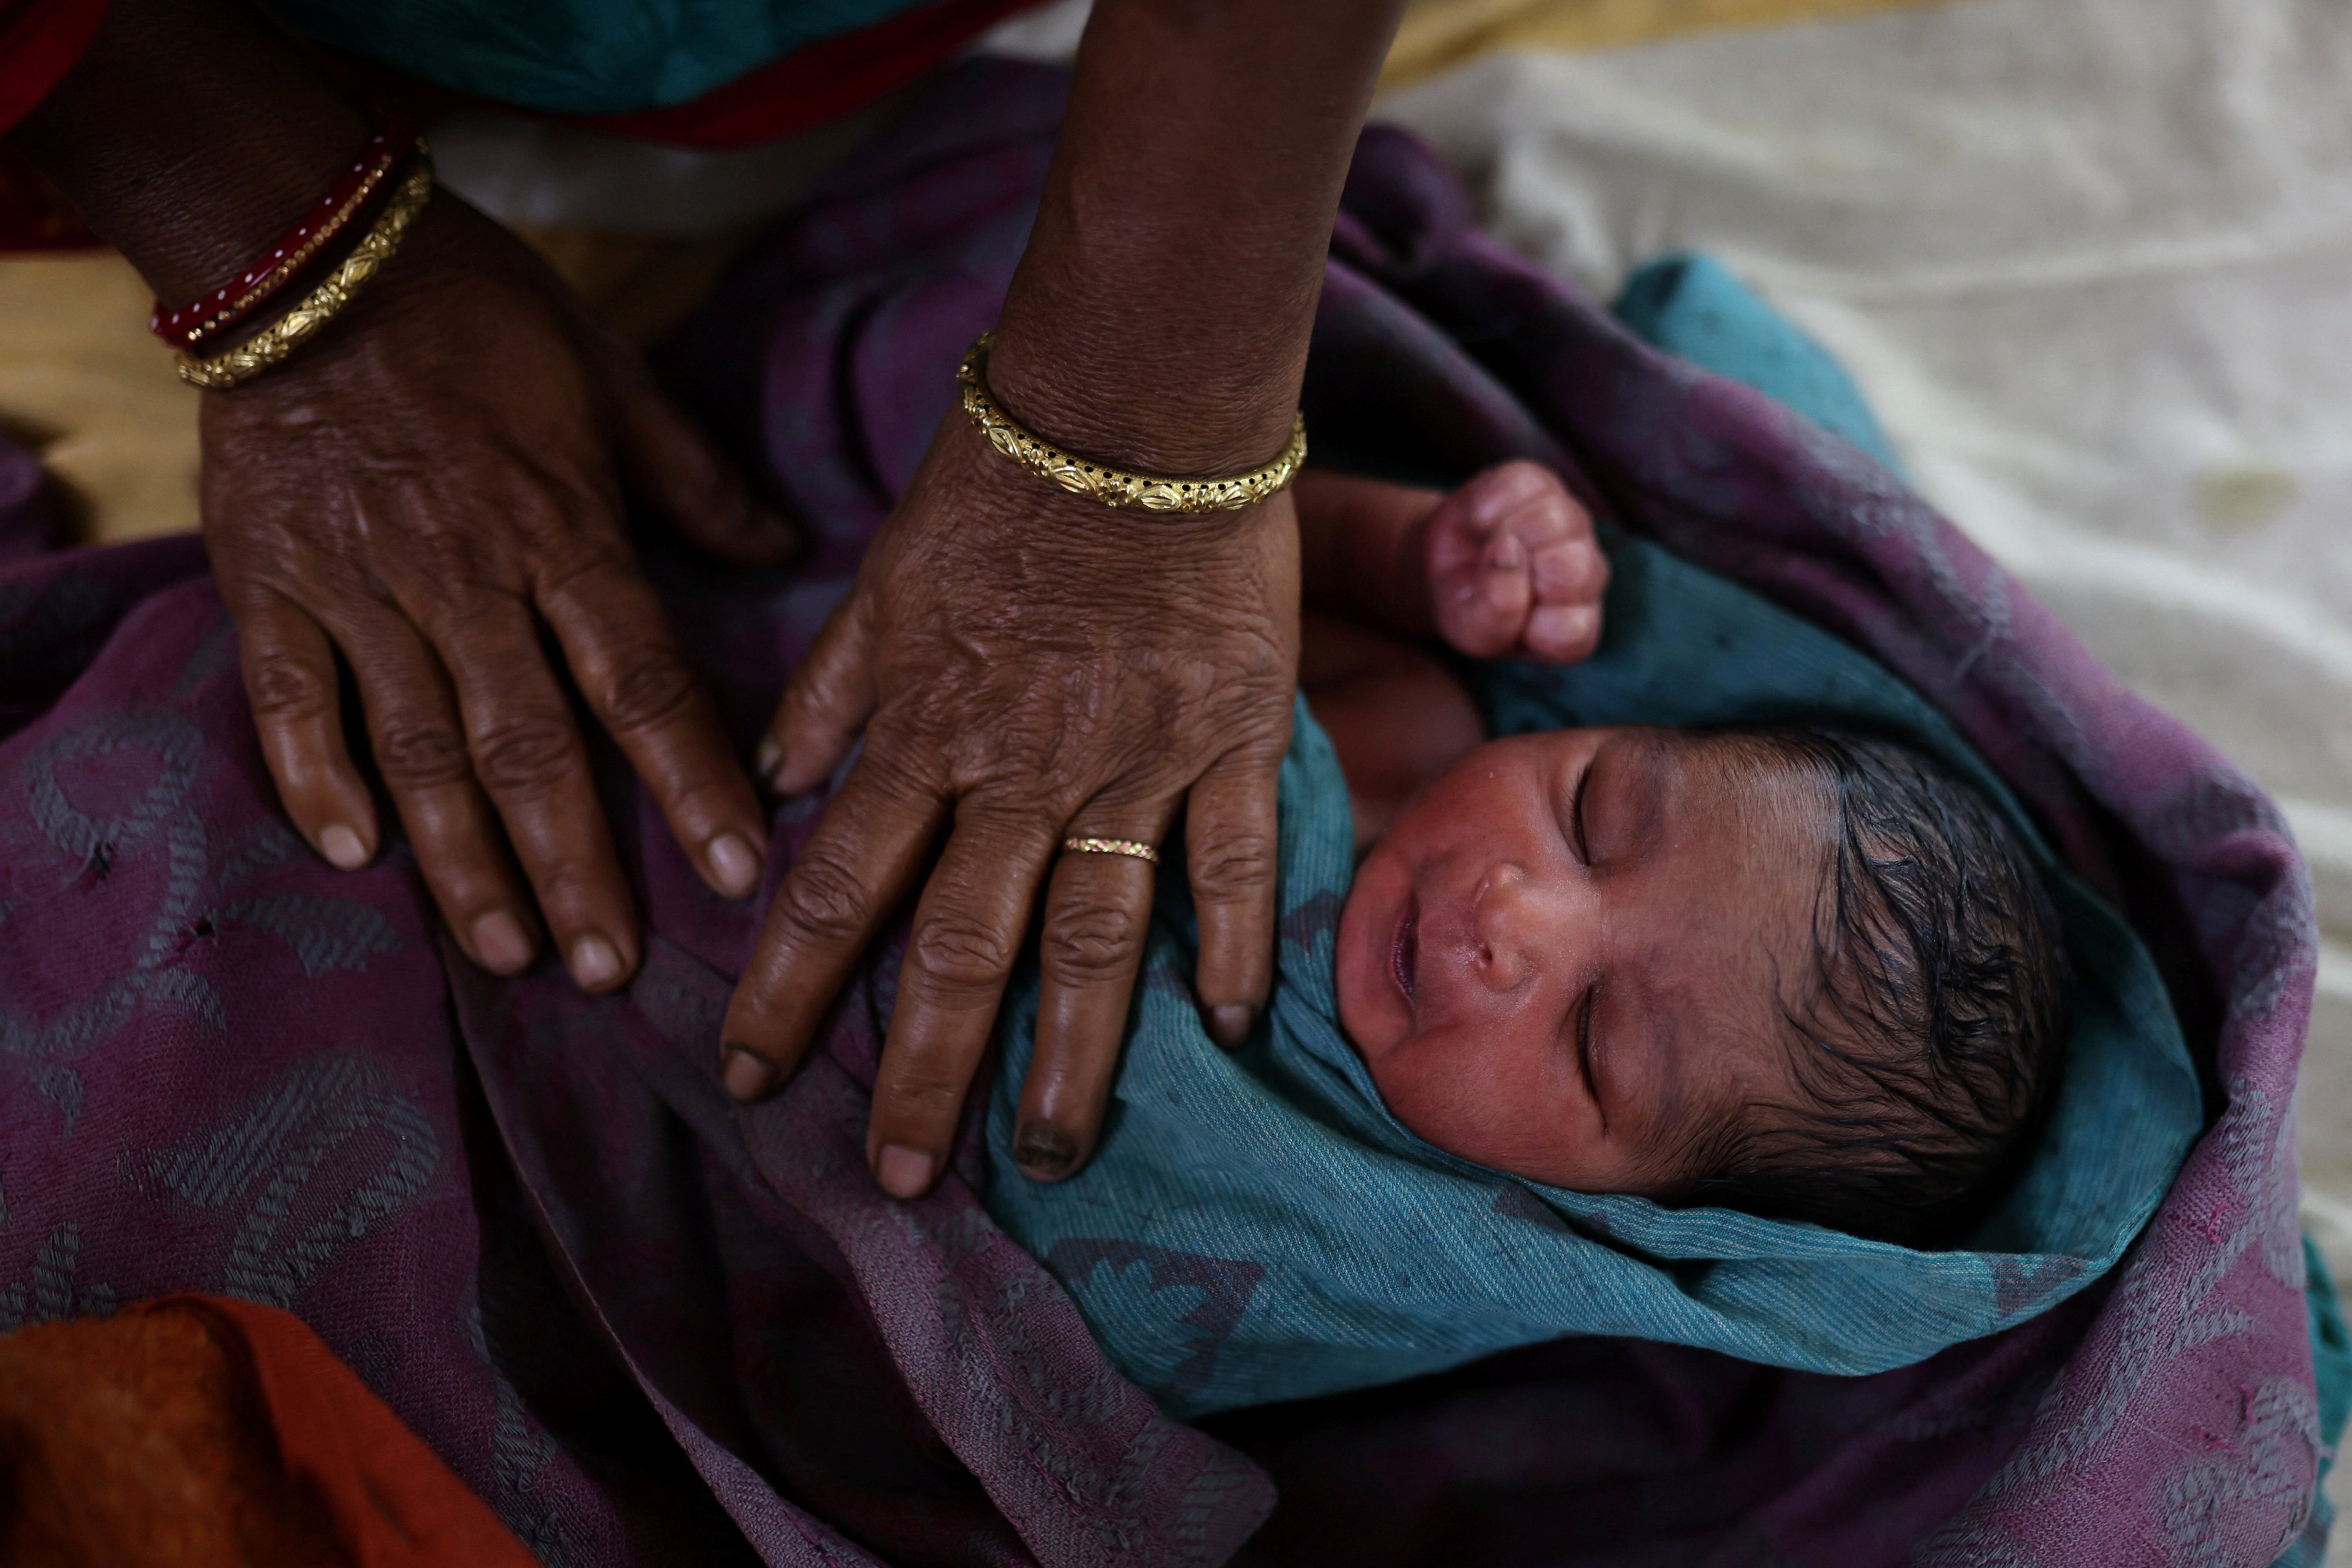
(1567, 1026)
(1792, 970)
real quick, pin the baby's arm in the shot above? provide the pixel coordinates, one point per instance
(1505, 566)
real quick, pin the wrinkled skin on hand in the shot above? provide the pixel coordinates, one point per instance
(433, 491)
(1026, 665)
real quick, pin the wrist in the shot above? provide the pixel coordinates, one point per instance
(1145, 387)
(1000, 492)
(190, 136)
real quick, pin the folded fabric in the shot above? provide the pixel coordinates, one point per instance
(202, 1429)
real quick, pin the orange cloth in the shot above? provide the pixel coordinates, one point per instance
(200, 1430)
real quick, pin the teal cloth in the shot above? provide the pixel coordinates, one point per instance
(1691, 305)
(580, 57)
(1255, 1226)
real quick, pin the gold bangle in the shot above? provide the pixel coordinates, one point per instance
(1127, 847)
(235, 366)
(1110, 486)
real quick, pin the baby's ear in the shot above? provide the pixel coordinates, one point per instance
(1514, 569)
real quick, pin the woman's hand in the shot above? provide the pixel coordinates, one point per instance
(434, 490)
(1027, 666)
(1030, 666)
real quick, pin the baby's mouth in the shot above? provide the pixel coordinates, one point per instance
(1404, 950)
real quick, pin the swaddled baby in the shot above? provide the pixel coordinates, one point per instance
(1576, 1030)
(1792, 970)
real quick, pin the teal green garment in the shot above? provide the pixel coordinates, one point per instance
(580, 57)
(1691, 305)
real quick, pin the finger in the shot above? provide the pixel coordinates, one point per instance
(677, 469)
(420, 750)
(968, 931)
(1571, 570)
(1478, 586)
(528, 756)
(625, 658)
(825, 704)
(292, 683)
(1490, 607)
(1529, 499)
(1564, 556)
(1098, 910)
(1564, 634)
(1230, 833)
(1569, 574)
(863, 856)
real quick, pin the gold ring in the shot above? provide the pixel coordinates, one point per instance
(1111, 847)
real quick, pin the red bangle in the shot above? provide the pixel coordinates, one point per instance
(295, 250)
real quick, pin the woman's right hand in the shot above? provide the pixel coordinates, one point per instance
(427, 488)
(432, 490)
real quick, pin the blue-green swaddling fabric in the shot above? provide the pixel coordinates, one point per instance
(1255, 1226)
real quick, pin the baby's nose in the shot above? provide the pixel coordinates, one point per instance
(1521, 925)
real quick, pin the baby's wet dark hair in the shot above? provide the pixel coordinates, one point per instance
(1927, 1043)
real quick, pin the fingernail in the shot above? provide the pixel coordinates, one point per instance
(1043, 1150)
(747, 1077)
(904, 1173)
(593, 961)
(342, 846)
(1230, 1025)
(501, 944)
(769, 759)
(1509, 554)
(1558, 628)
(732, 865)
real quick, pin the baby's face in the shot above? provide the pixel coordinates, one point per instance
(1576, 948)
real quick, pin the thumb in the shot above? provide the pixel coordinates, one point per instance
(674, 465)
(827, 703)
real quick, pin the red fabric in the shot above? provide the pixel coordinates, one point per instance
(394, 1502)
(39, 41)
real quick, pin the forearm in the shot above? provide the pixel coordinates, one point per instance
(1363, 547)
(189, 136)
(1159, 318)
(1397, 718)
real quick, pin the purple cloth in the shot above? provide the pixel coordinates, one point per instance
(648, 1327)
